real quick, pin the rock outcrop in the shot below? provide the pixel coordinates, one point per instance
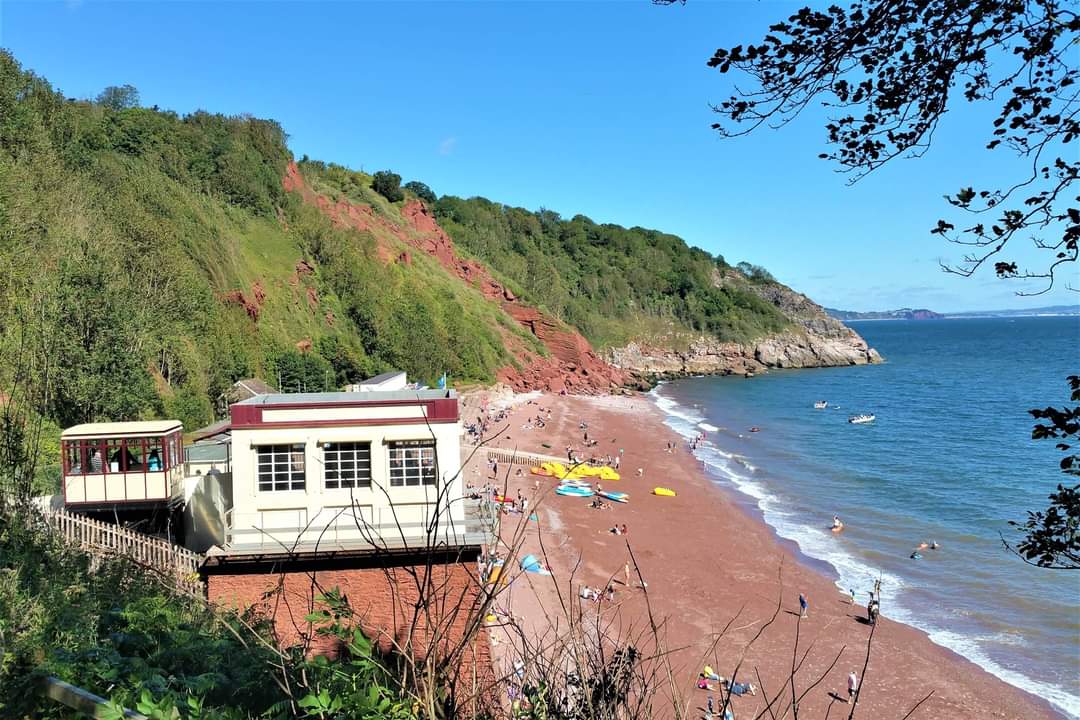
(815, 340)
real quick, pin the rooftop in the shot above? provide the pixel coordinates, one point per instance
(122, 429)
(349, 398)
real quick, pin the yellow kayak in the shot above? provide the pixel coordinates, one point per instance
(665, 492)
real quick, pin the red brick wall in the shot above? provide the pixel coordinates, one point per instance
(382, 599)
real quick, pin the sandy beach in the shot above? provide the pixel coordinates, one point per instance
(709, 562)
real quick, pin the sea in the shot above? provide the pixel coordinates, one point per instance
(949, 459)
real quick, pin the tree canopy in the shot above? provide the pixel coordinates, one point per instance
(888, 71)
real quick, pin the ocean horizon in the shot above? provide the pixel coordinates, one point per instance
(949, 459)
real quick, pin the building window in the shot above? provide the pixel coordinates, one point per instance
(280, 467)
(412, 463)
(347, 465)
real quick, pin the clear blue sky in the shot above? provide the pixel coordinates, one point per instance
(600, 109)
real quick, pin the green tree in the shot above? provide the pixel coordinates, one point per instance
(118, 97)
(295, 371)
(388, 184)
(421, 191)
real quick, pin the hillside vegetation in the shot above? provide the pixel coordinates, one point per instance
(149, 260)
(608, 281)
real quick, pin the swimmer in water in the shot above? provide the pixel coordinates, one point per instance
(915, 555)
(934, 545)
(837, 526)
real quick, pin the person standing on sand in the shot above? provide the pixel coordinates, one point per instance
(852, 591)
(626, 574)
(804, 605)
(852, 685)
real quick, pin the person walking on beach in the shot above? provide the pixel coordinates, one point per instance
(804, 605)
(852, 685)
(852, 591)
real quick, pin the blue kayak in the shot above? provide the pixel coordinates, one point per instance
(574, 491)
(615, 496)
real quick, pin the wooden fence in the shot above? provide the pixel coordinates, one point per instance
(176, 563)
(518, 458)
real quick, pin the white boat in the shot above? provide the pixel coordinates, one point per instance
(861, 419)
(821, 404)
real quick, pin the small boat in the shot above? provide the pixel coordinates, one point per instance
(619, 497)
(821, 404)
(862, 419)
(755, 429)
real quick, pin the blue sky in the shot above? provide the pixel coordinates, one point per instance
(600, 109)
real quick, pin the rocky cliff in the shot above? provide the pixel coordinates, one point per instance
(814, 340)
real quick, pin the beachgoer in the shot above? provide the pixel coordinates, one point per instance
(711, 674)
(852, 685)
(709, 707)
(623, 530)
(626, 574)
(702, 683)
(610, 591)
(837, 526)
(804, 605)
(923, 545)
(743, 689)
(915, 555)
(524, 504)
(934, 545)
(640, 472)
(852, 591)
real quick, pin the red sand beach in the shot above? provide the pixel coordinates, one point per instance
(704, 558)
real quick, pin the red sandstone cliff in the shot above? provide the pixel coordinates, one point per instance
(573, 365)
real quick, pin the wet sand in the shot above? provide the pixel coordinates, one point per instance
(709, 561)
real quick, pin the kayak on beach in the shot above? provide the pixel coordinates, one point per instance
(574, 491)
(663, 492)
(615, 496)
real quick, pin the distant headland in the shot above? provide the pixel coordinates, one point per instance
(924, 314)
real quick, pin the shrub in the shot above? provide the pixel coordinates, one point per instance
(388, 184)
(421, 191)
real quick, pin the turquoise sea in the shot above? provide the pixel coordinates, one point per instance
(949, 459)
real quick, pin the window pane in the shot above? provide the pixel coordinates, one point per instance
(280, 467)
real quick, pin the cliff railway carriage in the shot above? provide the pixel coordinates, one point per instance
(134, 469)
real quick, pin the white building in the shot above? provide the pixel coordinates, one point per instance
(326, 472)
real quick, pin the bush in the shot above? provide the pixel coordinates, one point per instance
(421, 191)
(388, 184)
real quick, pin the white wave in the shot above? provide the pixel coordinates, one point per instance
(820, 543)
(971, 649)
(707, 427)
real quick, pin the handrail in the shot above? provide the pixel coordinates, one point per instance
(176, 562)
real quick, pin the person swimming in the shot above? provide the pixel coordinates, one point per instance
(837, 526)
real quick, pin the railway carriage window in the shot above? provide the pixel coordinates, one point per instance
(154, 454)
(75, 453)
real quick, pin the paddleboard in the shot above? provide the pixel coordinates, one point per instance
(620, 497)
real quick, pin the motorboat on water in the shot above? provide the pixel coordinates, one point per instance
(862, 419)
(821, 404)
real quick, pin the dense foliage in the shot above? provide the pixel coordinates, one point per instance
(607, 280)
(119, 631)
(388, 184)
